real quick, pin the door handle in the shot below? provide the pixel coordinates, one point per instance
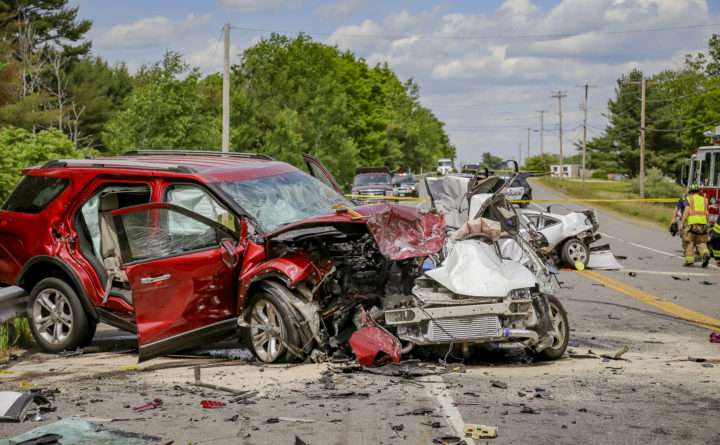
(148, 280)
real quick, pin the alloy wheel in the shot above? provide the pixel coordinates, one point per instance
(267, 346)
(53, 316)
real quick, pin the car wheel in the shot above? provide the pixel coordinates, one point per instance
(57, 318)
(574, 250)
(559, 320)
(92, 327)
(268, 314)
(524, 204)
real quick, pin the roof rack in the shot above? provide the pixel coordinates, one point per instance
(198, 153)
(59, 163)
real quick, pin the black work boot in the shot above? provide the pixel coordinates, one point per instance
(689, 264)
(706, 260)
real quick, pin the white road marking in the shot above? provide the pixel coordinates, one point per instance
(650, 248)
(438, 390)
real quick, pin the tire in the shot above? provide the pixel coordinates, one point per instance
(558, 316)
(92, 327)
(56, 316)
(574, 250)
(524, 204)
(267, 309)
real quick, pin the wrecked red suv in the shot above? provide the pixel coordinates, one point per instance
(186, 248)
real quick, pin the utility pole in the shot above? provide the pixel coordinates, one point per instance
(226, 92)
(519, 154)
(643, 84)
(542, 128)
(560, 94)
(585, 109)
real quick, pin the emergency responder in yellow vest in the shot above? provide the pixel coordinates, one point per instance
(715, 241)
(694, 225)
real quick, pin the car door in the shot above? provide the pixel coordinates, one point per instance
(181, 268)
(318, 171)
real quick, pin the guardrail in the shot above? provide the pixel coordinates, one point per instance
(13, 303)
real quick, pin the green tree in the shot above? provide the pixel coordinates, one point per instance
(172, 109)
(53, 23)
(492, 162)
(20, 148)
(541, 163)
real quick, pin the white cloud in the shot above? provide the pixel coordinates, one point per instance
(210, 58)
(339, 11)
(234, 6)
(502, 56)
(151, 31)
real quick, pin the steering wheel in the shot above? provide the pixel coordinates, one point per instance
(480, 236)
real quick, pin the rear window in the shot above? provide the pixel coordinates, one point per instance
(34, 193)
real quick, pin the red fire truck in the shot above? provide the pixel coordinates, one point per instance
(703, 169)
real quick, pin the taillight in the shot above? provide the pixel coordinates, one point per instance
(3, 222)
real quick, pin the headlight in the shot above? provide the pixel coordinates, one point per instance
(520, 294)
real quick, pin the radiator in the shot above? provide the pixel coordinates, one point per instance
(466, 328)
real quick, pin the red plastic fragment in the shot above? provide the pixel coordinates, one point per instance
(370, 340)
(152, 405)
(714, 338)
(211, 404)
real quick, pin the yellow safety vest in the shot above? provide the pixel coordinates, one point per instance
(697, 210)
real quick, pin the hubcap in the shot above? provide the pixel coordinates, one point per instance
(558, 326)
(52, 316)
(577, 252)
(267, 346)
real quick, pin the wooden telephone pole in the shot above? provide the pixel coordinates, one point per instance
(226, 92)
(585, 108)
(560, 94)
(644, 82)
(542, 128)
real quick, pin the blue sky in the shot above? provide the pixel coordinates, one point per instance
(484, 67)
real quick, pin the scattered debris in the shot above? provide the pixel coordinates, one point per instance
(295, 419)
(598, 284)
(448, 439)
(617, 355)
(77, 430)
(574, 344)
(696, 359)
(714, 338)
(498, 384)
(418, 412)
(406, 368)
(370, 340)
(480, 431)
(78, 351)
(152, 405)
(528, 410)
(680, 278)
(233, 418)
(632, 274)
(299, 441)
(244, 399)
(327, 382)
(348, 395)
(707, 283)
(210, 404)
(15, 405)
(707, 365)
(433, 424)
(543, 394)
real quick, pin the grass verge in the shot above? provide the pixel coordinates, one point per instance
(657, 213)
(12, 334)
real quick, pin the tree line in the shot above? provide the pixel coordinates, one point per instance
(288, 96)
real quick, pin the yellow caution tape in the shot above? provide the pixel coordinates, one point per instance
(26, 384)
(6, 372)
(598, 200)
(129, 368)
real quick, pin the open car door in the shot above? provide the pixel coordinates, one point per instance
(319, 172)
(181, 268)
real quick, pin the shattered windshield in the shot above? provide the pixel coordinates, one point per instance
(372, 179)
(275, 201)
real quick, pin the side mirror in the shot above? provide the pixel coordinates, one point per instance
(228, 252)
(682, 177)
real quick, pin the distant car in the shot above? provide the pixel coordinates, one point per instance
(372, 181)
(445, 166)
(520, 189)
(404, 184)
(470, 168)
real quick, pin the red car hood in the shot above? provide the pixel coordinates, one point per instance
(400, 231)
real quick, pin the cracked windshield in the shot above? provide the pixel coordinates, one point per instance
(276, 201)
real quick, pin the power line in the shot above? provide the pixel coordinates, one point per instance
(478, 36)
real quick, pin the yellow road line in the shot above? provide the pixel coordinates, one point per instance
(677, 310)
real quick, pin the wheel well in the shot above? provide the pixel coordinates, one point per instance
(39, 270)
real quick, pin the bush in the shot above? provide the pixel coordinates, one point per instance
(16, 333)
(656, 186)
(599, 174)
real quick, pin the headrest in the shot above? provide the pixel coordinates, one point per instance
(109, 202)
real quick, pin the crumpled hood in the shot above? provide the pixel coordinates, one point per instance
(473, 269)
(400, 231)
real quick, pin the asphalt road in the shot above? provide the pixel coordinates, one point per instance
(651, 394)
